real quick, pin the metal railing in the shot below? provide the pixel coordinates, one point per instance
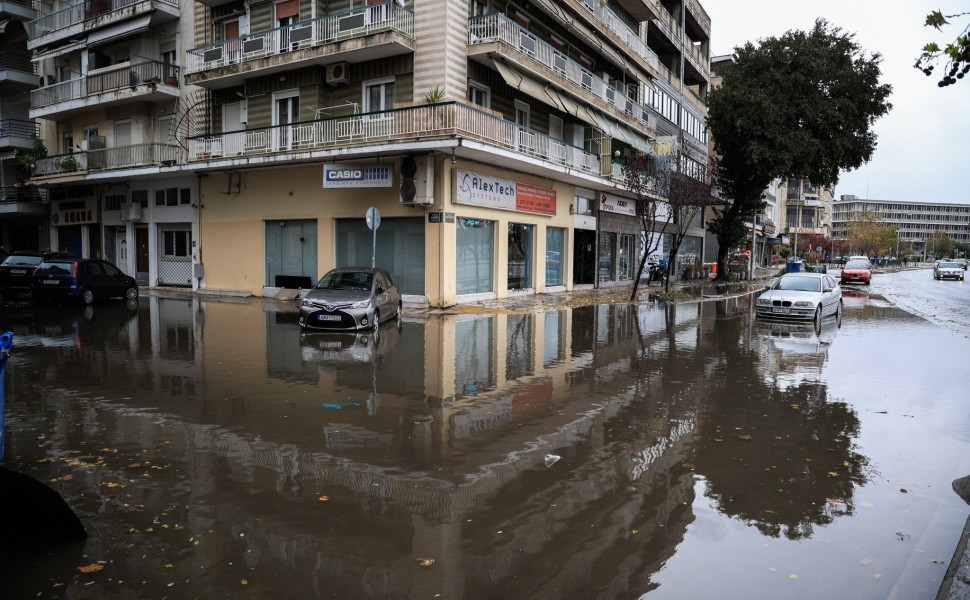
(125, 76)
(16, 62)
(19, 128)
(499, 28)
(615, 24)
(445, 119)
(103, 159)
(354, 23)
(22, 194)
(90, 9)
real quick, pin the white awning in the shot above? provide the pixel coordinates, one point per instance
(119, 30)
(530, 86)
(7, 155)
(73, 46)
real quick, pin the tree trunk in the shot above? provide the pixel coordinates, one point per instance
(722, 272)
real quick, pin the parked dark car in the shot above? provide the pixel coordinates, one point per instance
(16, 270)
(81, 279)
(351, 299)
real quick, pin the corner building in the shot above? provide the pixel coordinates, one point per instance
(487, 133)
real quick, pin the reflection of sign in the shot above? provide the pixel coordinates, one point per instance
(615, 204)
(502, 194)
(347, 175)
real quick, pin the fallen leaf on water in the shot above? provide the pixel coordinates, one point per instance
(795, 406)
(834, 501)
(718, 439)
(636, 531)
(244, 582)
(112, 484)
(675, 381)
(833, 474)
(866, 561)
(92, 568)
(793, 576)
(324, 498)
(425, 562)
(745, 437)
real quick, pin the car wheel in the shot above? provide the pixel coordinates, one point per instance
(131, 293)
(87, 297)
(838, 315)
(399, 316)
(869, 282)
(818, 314)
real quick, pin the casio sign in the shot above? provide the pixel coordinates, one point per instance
(345, 175)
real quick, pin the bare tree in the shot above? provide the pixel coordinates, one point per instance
(640, 172)
(686, 199)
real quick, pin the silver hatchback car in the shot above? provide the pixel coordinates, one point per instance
(351, 298)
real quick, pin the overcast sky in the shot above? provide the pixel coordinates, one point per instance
(923, 145)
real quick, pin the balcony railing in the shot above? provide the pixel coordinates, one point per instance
(355, 23)
(622, 30)
(445, 119)
(22, 194)
(18, 128)
(108, 80)
(89, 9)
(103, 159)
(499, 28)
(16, 62)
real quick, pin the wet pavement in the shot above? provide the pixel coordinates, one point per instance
(553, 447)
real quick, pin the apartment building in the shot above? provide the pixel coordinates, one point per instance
(807, 208)
(915, 221)
(236, 145)
(23, 209)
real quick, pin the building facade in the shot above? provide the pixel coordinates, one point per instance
(236, 146)
(915, 222)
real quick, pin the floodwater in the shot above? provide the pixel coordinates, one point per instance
(653, 451)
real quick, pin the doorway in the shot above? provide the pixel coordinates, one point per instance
(584, 257)
(141, 254)
(291, 253)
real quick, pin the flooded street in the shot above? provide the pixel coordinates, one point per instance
(211, 450)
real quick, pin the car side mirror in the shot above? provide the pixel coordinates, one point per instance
(824, 290)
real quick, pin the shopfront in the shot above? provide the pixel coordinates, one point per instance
(74, 221)
(618, 237)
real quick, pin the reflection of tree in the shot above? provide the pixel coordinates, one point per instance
(781, 460)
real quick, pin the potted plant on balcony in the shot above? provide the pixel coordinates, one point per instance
(435, 95)
(29, 158)
(69, 164)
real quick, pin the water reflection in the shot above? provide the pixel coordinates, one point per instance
(428, 442)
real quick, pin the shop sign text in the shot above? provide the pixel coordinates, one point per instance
(346, 175)
(495, 192)
(615, 204)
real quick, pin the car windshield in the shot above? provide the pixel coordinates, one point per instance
(801, 284)
(857, 265)
(16, 260)
(346, 280)
(949, 265)
(55, 268)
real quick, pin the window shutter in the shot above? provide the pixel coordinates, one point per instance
(232, 30)
(290, 8)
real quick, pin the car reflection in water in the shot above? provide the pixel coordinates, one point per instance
(796, 353)
(76, 327)
(340, 351)
(854, 297)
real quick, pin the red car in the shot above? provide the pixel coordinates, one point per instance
(856, 271)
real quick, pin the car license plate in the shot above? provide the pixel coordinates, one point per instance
(328, 317)
(51, 282)
(18, 271)
(781, 311)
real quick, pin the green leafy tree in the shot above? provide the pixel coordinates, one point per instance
(939, 244)
(870, 235)
(800, 105)
(956, 54)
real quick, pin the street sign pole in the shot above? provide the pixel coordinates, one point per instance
(373, 219)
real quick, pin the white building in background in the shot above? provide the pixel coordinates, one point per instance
(916, 221)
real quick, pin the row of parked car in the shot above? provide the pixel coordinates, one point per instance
(62, 277)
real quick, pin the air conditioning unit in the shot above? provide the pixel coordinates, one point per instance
(423, 180)
(338, 73)
(131, 212)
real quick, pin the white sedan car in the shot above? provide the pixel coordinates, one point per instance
(802, 296)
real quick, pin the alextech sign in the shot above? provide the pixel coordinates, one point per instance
(348, 175)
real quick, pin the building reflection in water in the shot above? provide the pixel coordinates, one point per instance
(430, 442)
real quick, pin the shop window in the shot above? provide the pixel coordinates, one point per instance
(176, 244)
(626, 257)
(607, 256)
(475, 258)
(521, 258)
(555, 255)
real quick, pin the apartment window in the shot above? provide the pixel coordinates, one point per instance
(479, 94)
(68, 142)
(477, 8)
(521, 113)
(378, 97)
(113, 202)
(176, 243)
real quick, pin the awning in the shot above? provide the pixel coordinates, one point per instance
(617, 131)
(73, 46)
(7, 155)
(567, 103)
(530, 86)
(119, 30)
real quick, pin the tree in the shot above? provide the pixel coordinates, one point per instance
(956, 53)
(686, 199)
(801, 105)
(870, 235)
(640, 175)
(939, 244)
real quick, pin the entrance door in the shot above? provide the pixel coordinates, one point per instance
(286, 110)
(291, 253)
(121, 249)
(232, 129)
(584, 257)
(141, 254)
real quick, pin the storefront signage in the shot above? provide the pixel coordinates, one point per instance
(74, 212)
(347, 175)
(495, 192)
(434, 217)
(615, 204)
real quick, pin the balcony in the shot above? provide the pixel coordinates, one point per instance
(446, 120)
(149, 81)
(18, 134)
(641, 10)
(23, 201)
(106, 159)
(17, 73)
(361, 34)
(614, 24)
(19, 10)
(496, 33)
(90, 15)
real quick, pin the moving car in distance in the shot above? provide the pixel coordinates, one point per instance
(856, 271)
(962, 262)
(16, 270)
(802, 296)
(948, 270)
(864, 259)
(351, 298)
(81, 279)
